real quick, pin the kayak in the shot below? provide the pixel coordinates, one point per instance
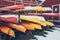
(17, 27)
(36, 26)
(7, 31)
(9, 18)
(27, 26)
(15, 7)
(32, 19)
(47, 15)
(41, 19)
(38, 8)
(49, 23)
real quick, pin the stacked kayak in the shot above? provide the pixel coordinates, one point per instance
(37, 20)
(8, 23)
(7, 31)
(47, 15)
(9, 18)
(36, 26)
(17, 27)
(31, 19)
(25, 8)
(38, 8)
(27, 26)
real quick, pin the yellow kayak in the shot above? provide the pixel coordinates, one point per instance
(38, 8)
(36, 26)
(35, 20)
(49, 23)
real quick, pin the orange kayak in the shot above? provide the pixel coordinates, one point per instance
(27, 26)
(7, 31)
(17, 27)
(36, 26)
(9, 19)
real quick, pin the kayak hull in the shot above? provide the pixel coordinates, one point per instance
(7, 31)
(17, 27)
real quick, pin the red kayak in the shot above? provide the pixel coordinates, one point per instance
(47, 15)
(9, 19)
(13, 7)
